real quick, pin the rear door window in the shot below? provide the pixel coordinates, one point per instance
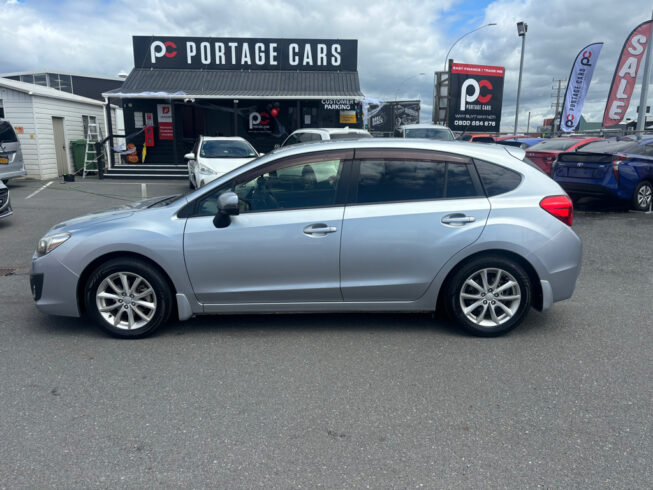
(390, 180)
(7, 134)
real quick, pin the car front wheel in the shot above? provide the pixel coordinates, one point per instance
(489, 296)
(642, 196)
(128, 298)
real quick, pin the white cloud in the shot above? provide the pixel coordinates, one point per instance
(397, 40)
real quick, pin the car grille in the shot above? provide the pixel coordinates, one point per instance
(4, 197)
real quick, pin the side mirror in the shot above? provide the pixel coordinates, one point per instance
(227, 206)
(189, 156)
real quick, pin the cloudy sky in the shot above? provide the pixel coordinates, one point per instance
(398, 40)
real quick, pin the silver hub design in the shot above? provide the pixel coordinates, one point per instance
(126, 300)
(644, 196)
(490, 297)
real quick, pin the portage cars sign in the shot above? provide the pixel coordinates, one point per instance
(476, 95)
(221, 53)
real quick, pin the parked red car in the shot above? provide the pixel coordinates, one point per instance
(545, 152)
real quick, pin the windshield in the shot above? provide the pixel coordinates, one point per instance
(430, 133)
(555, 145)
(614, 147)
(227, 149)
(349, 136)
(7, 134)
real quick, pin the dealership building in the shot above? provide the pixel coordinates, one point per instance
(259, 89)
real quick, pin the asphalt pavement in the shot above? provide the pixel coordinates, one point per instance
(329, 401)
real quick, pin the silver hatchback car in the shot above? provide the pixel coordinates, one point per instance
(370, 225)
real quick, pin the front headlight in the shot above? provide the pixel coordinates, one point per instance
(48, 243)
(204, 170)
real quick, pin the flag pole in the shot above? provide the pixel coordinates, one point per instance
(641, 117)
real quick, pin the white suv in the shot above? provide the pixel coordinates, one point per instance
(316, 135)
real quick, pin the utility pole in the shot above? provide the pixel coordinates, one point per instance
(528, 123)
(522, 28)
(557, 95)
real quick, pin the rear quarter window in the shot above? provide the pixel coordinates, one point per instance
(497, 179)
(7, 134)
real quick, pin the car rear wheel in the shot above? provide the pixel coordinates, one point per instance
(642, 196)
(488, 296)
(128, 298)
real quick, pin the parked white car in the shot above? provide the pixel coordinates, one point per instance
(315, 135)
(214, 156)
(5, 204)
(428, 131)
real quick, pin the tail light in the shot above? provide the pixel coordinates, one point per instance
(559, 206)
(615, 166)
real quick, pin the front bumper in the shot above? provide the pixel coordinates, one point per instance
(54, 287)
(5, 205)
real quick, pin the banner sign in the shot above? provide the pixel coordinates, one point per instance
(476, 95)
(405, 112)
(382, 120)
(164, 117)
(579, 82)
(233, 53)
(625, 74)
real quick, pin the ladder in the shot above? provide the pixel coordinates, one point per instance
(93, 134)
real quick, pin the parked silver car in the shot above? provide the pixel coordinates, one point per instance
(11, 156)
(368, 225)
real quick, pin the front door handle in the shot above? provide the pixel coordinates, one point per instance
(319, 229)
(457, 219)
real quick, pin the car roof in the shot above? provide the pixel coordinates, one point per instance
(423, 126)
(223, 138)
(331, 130)
(463, 148)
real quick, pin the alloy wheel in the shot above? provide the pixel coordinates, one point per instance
(644, 196)
(126, 300)
(490, 297)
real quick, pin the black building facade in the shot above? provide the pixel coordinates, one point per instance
(259, 89)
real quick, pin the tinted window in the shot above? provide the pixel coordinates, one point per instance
(497, 179)
(400, 180)
(304, 185)
(7, 134)
(613, 147)
(555, 144)
(226, 149)
(430, 133)
(292, 140)
(459, 181)
(349, 136)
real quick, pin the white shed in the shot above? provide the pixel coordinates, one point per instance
(46, 120)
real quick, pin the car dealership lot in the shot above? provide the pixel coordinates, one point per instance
(338, 401)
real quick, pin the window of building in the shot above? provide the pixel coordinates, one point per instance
(92, 120)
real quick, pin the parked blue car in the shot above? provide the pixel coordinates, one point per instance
(609, 168)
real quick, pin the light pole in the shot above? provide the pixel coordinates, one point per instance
(404, 81)
(522, 27)
(456, 42)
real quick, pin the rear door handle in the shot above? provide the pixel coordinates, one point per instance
(457, 219)
(319, 229)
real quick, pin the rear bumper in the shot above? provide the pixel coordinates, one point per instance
(12, 174)
(596, 190)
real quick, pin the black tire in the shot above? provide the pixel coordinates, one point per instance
(190, 184)
(483, 326)
(642, 196)
(161, 297)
